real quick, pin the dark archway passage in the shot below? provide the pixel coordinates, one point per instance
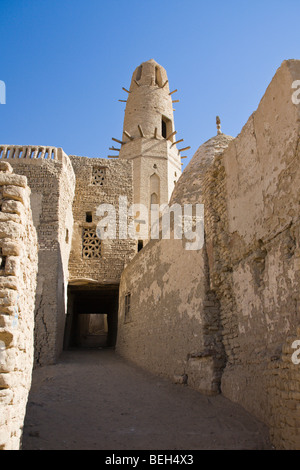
(92, 317)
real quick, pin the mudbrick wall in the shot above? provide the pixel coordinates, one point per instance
(51, 179)
(18, 271)
(172, 327)
(99, 181)
(255, 259)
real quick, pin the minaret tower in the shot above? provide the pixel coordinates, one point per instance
(149, 136)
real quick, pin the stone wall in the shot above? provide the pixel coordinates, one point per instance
(52, 182)
(18, 271)
(99, 181)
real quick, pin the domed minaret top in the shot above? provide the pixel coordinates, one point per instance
(149, 107)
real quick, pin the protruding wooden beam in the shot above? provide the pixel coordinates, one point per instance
(171, 135)
(113, 148)
(112, 156)
(165, 83)
(141, 131)
(178, 141)
(183, 157)
(174, 91)
(138, 84)
(155, 133)
(123, 101)
(175, 101)
(125, 90)
(128, 135)
(119, 141)
(185, 148)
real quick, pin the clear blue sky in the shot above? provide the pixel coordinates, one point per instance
(65, 62)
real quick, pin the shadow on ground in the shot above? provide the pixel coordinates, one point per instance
(95, 400)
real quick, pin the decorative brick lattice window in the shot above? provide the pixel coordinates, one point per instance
(91, 244)
(98, 176)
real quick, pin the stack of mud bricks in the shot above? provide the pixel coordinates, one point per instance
(18, 268)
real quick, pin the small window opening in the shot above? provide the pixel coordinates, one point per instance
(158, 79)
(88, 217)
(140, 244)
(139, 73)
(67, 236)
(166, 128)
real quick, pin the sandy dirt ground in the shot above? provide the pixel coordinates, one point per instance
(96, 400)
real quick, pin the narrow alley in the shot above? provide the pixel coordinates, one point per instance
(95, 400)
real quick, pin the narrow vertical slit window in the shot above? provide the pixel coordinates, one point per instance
(139, 73)
(158, 79)
(127, 305)
(2, 260)
(163, 128)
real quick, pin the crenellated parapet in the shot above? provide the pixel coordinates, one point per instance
(29, 152)
(34, 153)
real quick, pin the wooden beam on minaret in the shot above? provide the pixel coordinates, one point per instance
(171, 135)
(123, 101)
(112, 156)
(183, 157)
(175, 101)
(128, 135)
(119, 141)
(174, 91)
(185, 148)
(178, 141)
(125, 90)
(141, 130)
(113, 148)
(165, 83)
